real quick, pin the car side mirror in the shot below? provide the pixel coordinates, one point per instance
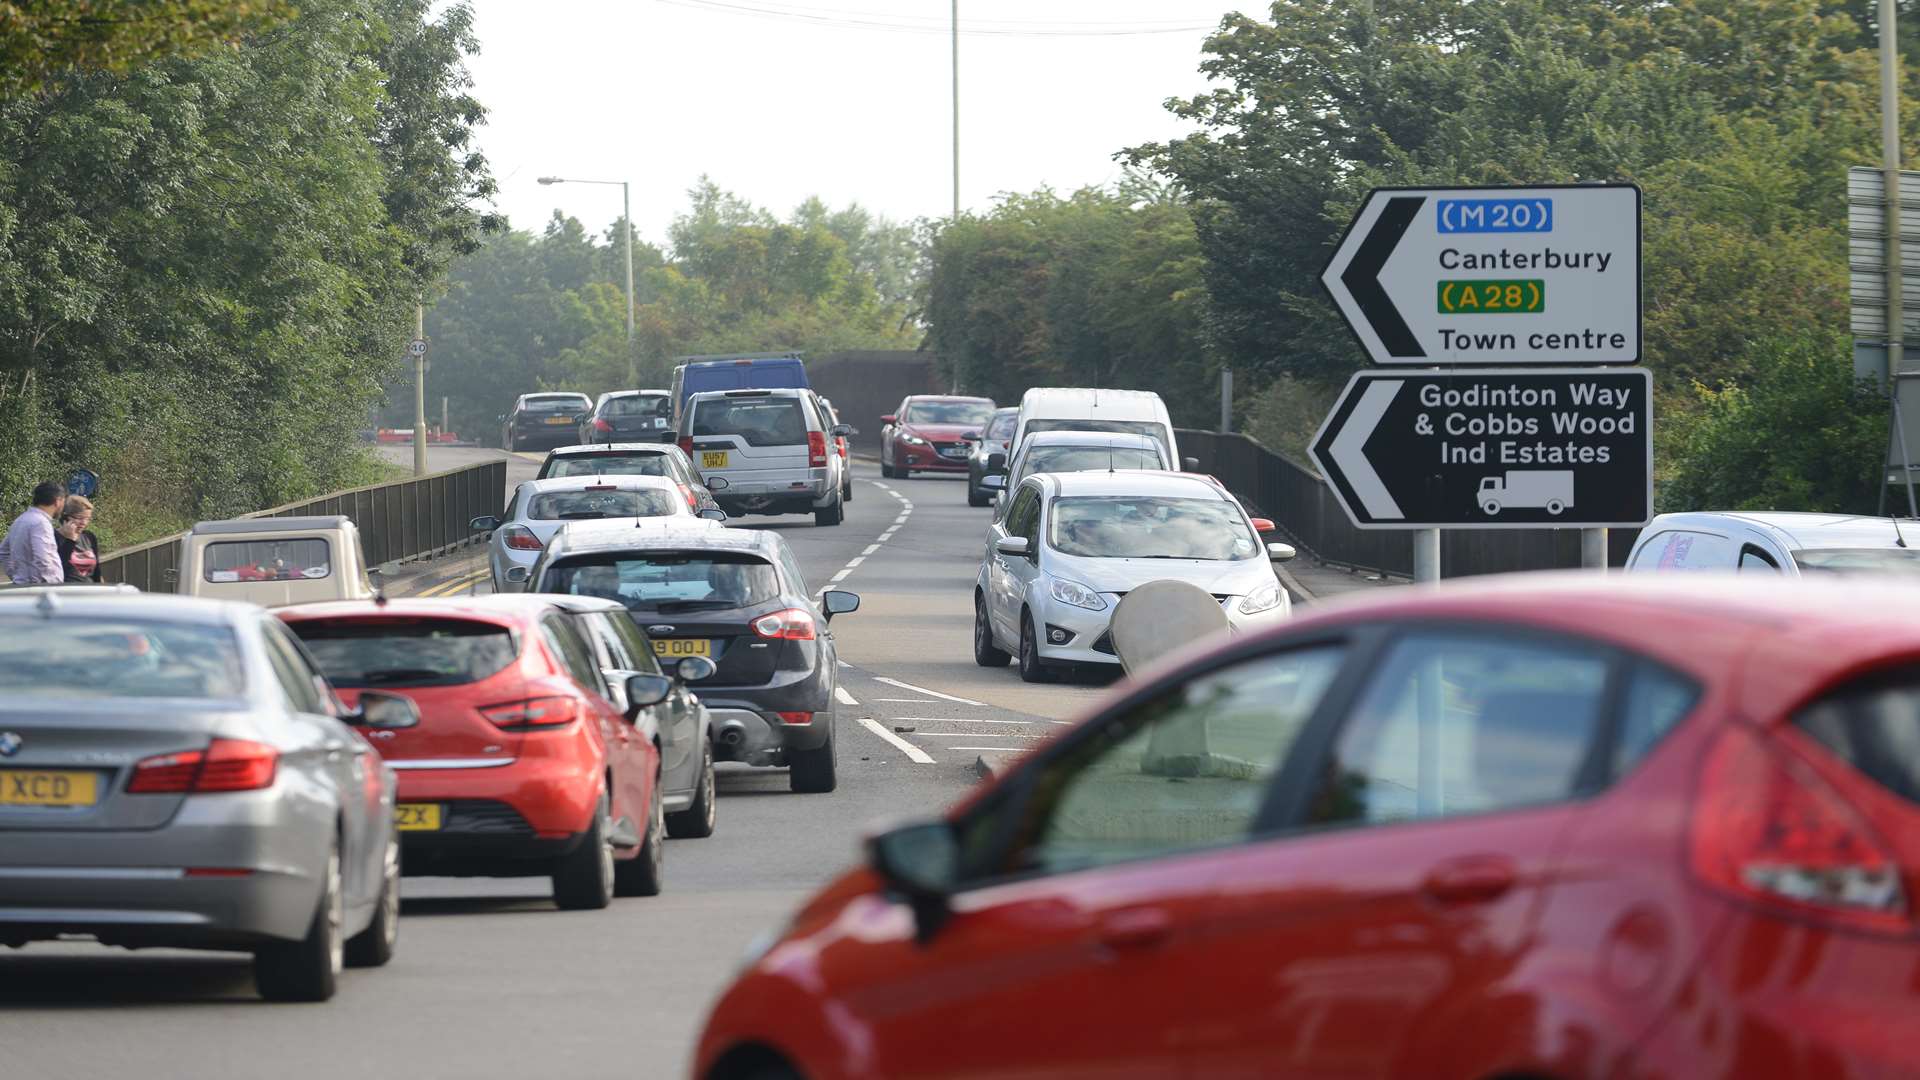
(517, 575)
(387, 712)
(920, 862)
(997, 462)
(485, 523)
(696, 668)
(839, 602)
(841, 431)
(645, 691)
(1190, 464)
(1280, 552)
(714, 513)
(995, 482)
(717, 483)
(971, 436)
(889, 419)
(1264, 525)
(1012, 545)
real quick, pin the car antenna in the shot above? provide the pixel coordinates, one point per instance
(1898, 540)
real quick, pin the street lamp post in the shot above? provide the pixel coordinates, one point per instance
(626, 222)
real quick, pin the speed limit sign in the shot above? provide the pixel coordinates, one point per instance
(417, 348)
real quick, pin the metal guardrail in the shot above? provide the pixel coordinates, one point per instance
(1302, 504)
(397, 520)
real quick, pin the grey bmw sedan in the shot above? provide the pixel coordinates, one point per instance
(175, 772)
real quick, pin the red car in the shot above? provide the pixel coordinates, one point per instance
(928, 433)
(1545, 828)
(521, 766)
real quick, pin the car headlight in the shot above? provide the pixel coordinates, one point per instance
(914, 440)
(1072, 592)
(1264, 598)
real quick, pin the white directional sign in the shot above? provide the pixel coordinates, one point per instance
(1534, 275)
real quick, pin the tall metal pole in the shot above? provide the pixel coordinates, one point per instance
(1226, 401)
(1426, 556)
(1890, 153)
(420, 394)
(626, 223)
(957, 108)
(1593, 549)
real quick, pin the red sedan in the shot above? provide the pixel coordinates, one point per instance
(1545, 828)
(520, 766)
(928, 433)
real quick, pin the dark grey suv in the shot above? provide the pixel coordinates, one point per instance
(736, 597)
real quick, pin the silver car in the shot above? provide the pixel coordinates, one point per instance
(540, 507)
(1075, 451)
(174, 772)
(1072, 544)
(767, 452)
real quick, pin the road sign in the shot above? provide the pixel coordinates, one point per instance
(1492, 448)
(1867, 254)
(1535, 275)
(417, 348)
(83, 482)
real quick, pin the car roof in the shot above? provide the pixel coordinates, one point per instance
(1111, 439)
(1797, 528)
(112, 602)
(947, 397)
(1146, 483)
(591, 449)
(273, 524)
(553, 394)
(637, 534)
(750, 391)
(618, 481)
(501, 608)
(1045, 399)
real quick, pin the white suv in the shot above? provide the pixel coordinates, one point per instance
(766, 452)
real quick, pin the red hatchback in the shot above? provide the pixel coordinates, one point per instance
(1544, 828)
(929, 433)
(520, 765)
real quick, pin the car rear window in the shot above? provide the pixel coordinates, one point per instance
(1873, 724)
(949, 412)
(556, 403)
(396, 652)
(1122, 427)
(606, 465)
(580, 505)
(1144, 527)
(667, 581)
(1003, 425)
(1876, 561)
(767, 421)
(1058, 459)
(94, 656)
(305, 558)
(637, 405)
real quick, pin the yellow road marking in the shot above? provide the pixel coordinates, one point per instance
(448, 588)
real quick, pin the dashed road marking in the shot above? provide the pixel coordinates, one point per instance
(914, 753)
(970, 720)
(906, 509)
(930, 693)
(840, 693)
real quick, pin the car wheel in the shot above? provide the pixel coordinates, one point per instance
(697, 820)
(374, 946)
(832, 514)
(308, 969)
(846, 490)
(974, 496)
(641, 875)
(886, 467)
(1032, 668)
(810, 772)
(583, 881)
(985, 652)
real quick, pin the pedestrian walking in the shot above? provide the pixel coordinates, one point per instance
(79, 548)
(29, 554)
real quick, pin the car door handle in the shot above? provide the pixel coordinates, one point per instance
(1471, 879)
(1135, 928)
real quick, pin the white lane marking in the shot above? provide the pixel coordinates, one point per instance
(841, 576)
(871, 548)
(906, 509)
(929, 693)
(857, 561)
(964, 720)
(914, 753)
(840, 692)
(1001, 749)
(881, 486)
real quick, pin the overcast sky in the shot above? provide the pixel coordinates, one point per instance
(657, 92)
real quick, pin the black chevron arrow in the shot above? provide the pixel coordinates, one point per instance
(1362, 276)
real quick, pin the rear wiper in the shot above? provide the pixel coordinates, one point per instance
(578, 515)
(690, 605)
(388, 675)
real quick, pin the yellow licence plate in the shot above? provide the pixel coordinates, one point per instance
(713, 459)
(683, 646)
(416, 817)
(26, 787)
(557, 420)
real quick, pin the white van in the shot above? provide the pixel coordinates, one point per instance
(1080, 408)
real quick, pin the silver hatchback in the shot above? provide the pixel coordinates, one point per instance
(175, 772)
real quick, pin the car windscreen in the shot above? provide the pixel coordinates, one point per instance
(1003, 425)
(1059, 459)
(393, 651)
(1150, 428)
(644, 405)
(654, 464)
(949, 412)
(667, 581)
(1141, 527)
(303, 558)
(580, 505)
(556, 403)
(1887, 560)
(102, 656)
(768, 421)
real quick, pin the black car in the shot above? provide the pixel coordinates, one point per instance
(543, 419)
(631, 459)
(630, 416)
(995, 438)
(735, 597)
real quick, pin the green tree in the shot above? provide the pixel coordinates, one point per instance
(45, 39)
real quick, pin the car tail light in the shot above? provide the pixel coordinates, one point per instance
(686, 443)
(792, 624)
(693, 501)
(520, 538)
(534, 714)
(840, 444)
(225, 765)
(600, 424)
(795, 717)
(1767, 829)
(816, 449)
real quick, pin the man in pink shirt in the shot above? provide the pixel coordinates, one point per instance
(28, 555)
